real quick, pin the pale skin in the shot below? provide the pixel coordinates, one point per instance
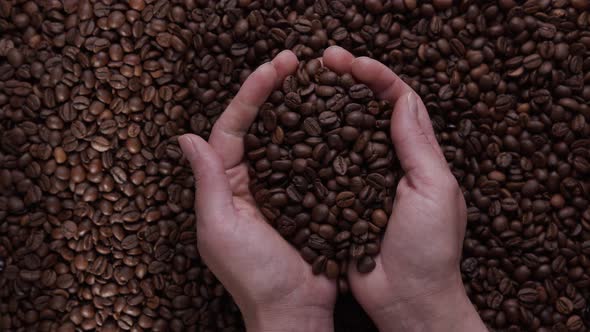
(416, 285)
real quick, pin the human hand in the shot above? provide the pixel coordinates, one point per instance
(416, 284)
(273, 286)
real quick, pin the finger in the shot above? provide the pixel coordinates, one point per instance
(426, 125)
(416, 153)
(227, 136)
(338, 59)
(382, 80)
(213, 192)
(285, 63)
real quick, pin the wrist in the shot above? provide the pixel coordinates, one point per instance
(279, 319)
(447, 309)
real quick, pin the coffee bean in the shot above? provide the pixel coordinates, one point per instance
(100, 144)
(575, 323)
(345, 199)
(312, 127)
(129, 242)
(360, 227)
(292, 100)
(327, 231)
(340, 166)
(349, 133)
(527, 295)
(328, 119)
(320, 213)
(332, 269)
(290, 119)
(504, 83)
(325, 91)
(365, 264)
(337, 102)
(269, 119)
(64, 281)
(319, 264)
(564, 305)
(360, 91)
(379, 218)
(532, 61)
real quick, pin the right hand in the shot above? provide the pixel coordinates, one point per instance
(416, 284)
(273, 286)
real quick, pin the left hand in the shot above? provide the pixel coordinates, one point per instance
(269, 280)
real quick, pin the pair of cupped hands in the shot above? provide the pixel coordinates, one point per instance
(416, 285)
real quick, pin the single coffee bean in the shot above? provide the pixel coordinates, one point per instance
(360, 227)
(366, 264)
(312, 127)
(345, 199)
(564, 305)
(340, 166)
(360, 91)
(328, 119)
(332, 269)
(319, 264)
(379, 218)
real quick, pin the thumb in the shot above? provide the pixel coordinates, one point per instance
(213, 192)
(419, 158)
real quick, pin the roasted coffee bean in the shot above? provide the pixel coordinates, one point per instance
(564, 305)
(328, 119)
(340, 166)
(360, 91)
(365, 264)
(312, 127)
(379, 218)
(319, 264)
(331, 140)
(332, 269)
(94, 94)
(345, 199)
(360, 227)
(528, 295)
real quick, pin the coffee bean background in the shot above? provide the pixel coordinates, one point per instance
(96, 220)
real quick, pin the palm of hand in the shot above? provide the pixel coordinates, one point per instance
(420, 249)
(276, 272)
(425, 233)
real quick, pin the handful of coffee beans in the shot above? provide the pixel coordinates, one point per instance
(323, 170)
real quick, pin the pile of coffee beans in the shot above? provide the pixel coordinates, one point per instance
(96, 220)
(324, 169)
(97, 228)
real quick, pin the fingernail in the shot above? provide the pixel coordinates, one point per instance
(334, 47)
